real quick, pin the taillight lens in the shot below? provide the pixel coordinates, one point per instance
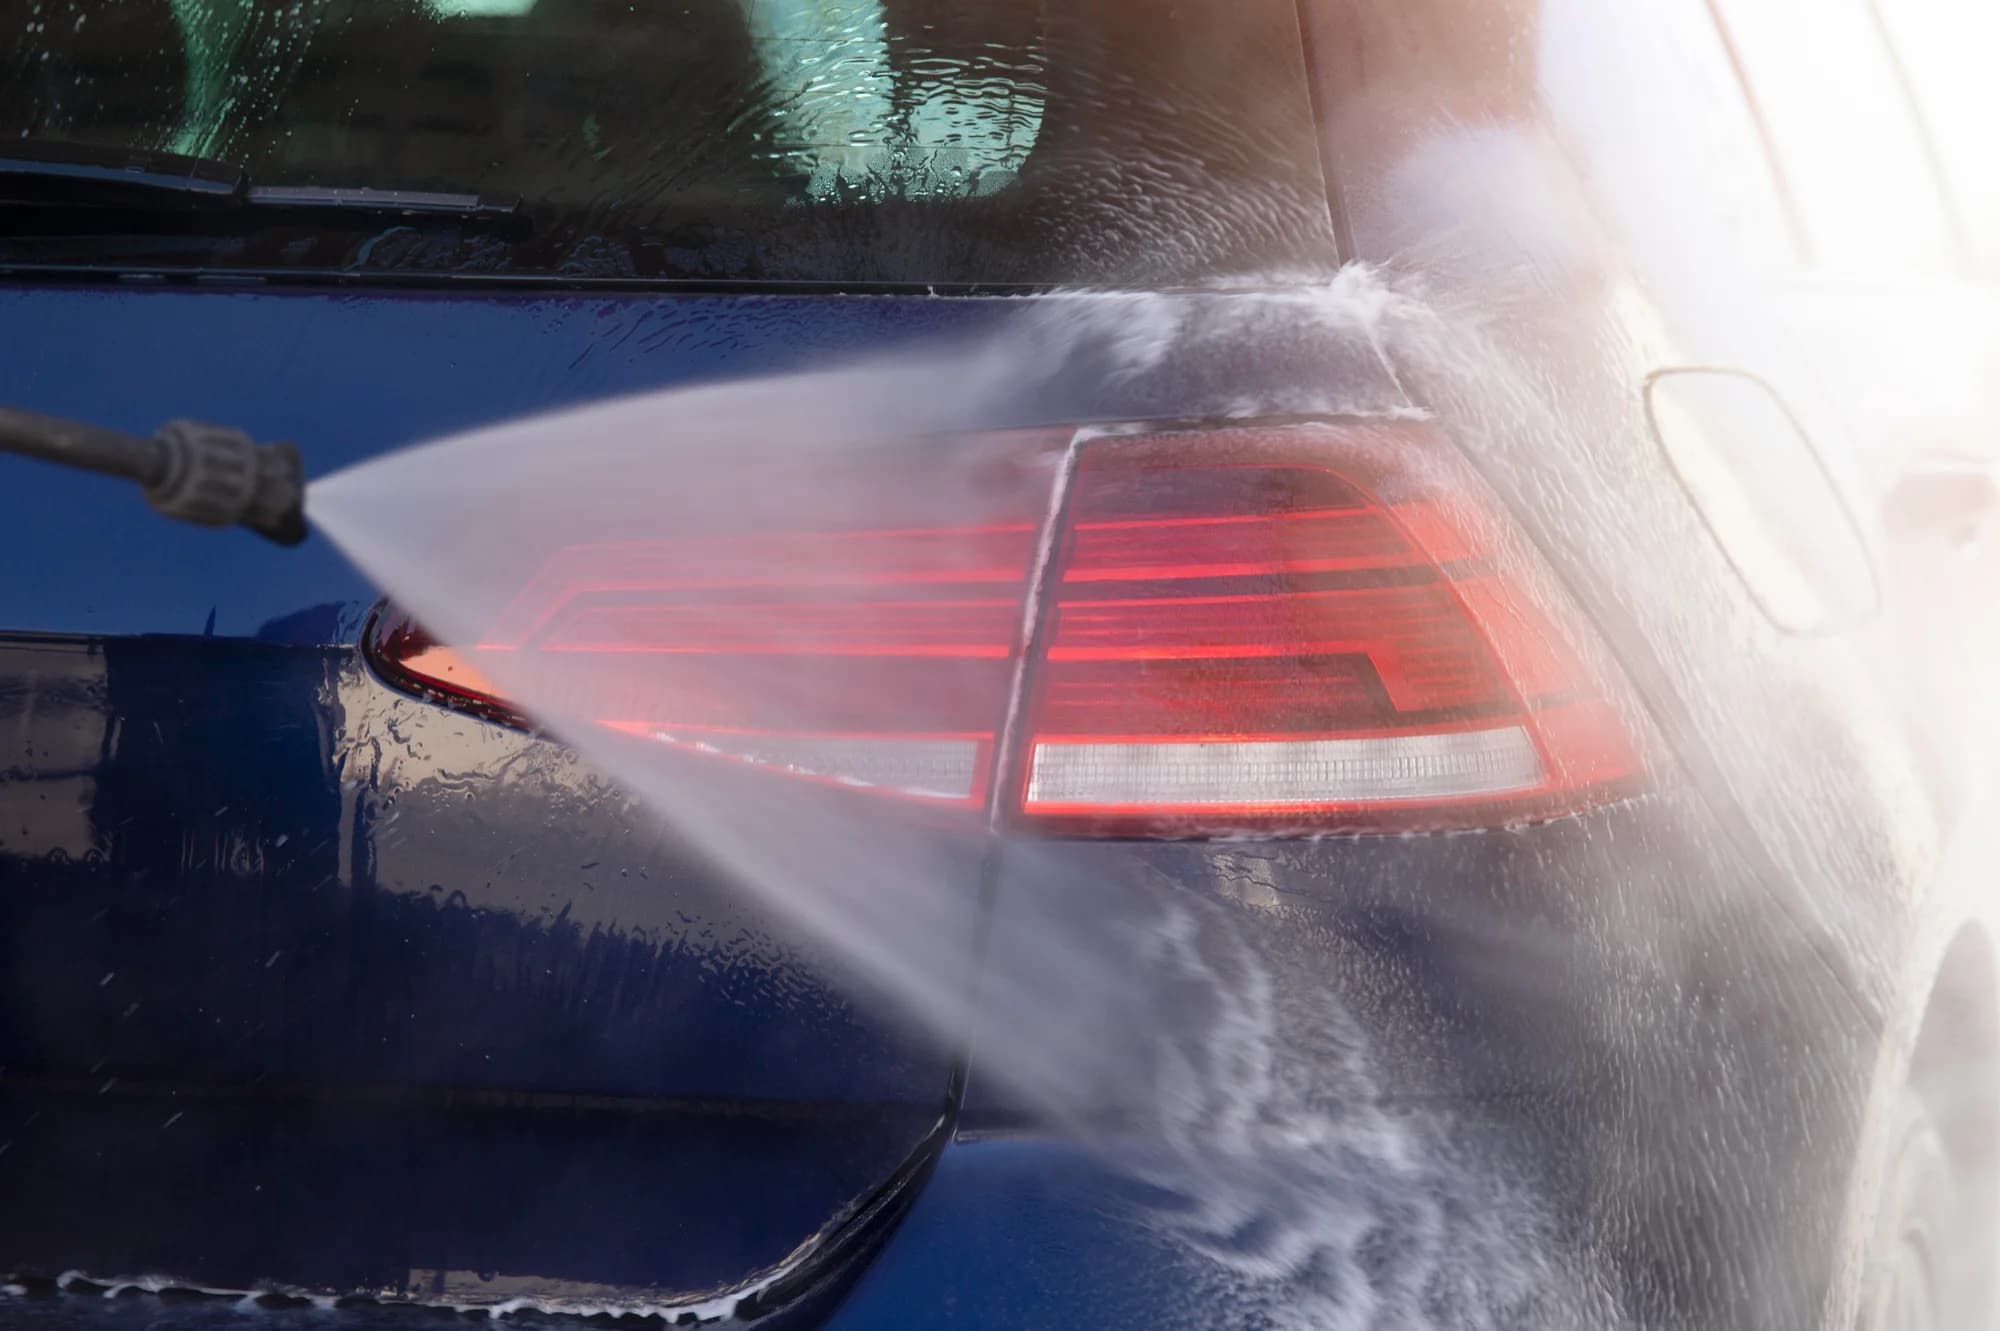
(1305, 628)
(1314, 627)
(878, 660)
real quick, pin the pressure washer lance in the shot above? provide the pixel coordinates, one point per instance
(210, 475)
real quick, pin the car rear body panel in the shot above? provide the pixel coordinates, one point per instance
(399, 986)
(321, 985)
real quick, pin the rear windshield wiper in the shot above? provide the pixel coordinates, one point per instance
(52, 173)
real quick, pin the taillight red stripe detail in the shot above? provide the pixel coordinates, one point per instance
(808, 566)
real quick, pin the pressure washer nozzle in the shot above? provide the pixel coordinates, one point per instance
(206, 474)
(219, 477)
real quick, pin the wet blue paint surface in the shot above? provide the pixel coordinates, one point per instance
(432, 998)
(345, 377)
(379, 957)
(415, 993)
(1008, 1233)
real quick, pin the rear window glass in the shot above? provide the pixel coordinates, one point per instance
(924, 141)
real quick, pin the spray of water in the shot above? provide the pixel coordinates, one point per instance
(1268, 1149)
(1267, 1146)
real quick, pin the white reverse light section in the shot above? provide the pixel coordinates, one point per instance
(1281, 773)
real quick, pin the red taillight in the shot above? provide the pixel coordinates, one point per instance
(1312, 627)
(873, 659)
(1291, 628)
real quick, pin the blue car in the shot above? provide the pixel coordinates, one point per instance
(1143, 663)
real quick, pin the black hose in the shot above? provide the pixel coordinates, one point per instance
(206, 474)
(90, 447)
